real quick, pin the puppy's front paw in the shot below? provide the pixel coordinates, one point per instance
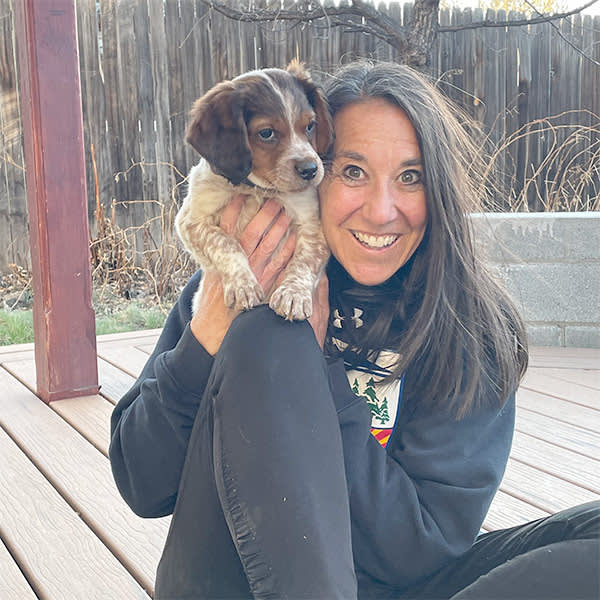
(243, 293)
(292, 303)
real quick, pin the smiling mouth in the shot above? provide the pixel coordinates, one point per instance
(374, 241)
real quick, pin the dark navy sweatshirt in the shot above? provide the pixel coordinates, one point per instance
(415, 504)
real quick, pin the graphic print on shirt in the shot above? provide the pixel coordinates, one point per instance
(381, 398)
(366, 382)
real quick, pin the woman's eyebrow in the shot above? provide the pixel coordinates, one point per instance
(413, 162)
(351, 155)
(410, 162)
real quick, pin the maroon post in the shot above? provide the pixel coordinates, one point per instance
(50, 94)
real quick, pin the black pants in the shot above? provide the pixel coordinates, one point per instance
(240, 530)
(557, 557)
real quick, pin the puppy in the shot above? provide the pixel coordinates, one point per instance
(260, 135)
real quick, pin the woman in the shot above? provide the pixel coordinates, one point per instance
(364, 469)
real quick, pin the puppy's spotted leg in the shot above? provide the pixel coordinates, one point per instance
(241, 290)
(293, 297)
(213, 248)
(292, 300)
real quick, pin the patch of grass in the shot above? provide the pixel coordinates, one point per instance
(16, 326)
(132, 317)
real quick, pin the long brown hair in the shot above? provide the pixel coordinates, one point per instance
(442, 312)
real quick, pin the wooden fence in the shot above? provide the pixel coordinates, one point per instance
(143, 62)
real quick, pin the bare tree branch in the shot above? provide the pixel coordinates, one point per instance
(519, 22)
(304, 11)
(569, 42)
(412, 41)
(379, 24)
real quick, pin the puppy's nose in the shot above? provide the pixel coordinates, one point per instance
(307, 169)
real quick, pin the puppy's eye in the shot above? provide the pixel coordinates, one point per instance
(267, 134)
(310, 128)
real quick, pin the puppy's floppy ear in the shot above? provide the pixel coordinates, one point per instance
(217, 131)
(318, 102)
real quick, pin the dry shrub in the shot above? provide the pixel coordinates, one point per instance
(147, 256)
(548, 165)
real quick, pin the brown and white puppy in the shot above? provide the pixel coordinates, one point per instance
(260, 135)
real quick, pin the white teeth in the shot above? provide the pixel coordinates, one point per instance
(375, 241)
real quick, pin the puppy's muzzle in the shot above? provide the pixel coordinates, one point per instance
(307, 169)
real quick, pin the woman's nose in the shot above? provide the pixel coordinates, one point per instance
(380, 205)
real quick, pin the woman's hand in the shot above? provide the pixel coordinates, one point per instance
(320, 316)
(259, 240)
(212, 318)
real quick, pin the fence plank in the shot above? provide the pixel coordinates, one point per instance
(114, 133)
(13, 203)
(97, 151)
(160, 82)
(146, 119)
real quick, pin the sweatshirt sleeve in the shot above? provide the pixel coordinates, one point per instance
(420, 502)
(152, 423)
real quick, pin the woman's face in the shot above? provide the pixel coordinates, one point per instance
(373, 201)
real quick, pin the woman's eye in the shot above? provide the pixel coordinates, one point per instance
(411, 177)
(267, 134)
(353, 172)
(311, 127)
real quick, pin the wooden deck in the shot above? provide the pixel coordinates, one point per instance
(66, 533)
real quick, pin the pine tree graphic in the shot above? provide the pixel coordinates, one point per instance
(379, 408)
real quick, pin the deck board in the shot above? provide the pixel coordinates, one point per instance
(13, 583)
(541, 489)
(564, 358)
(59, 462)
(507, 508)
(586, 378)
(50, 542)
(574, 413)
(89, 415)
(124, 355)
(114, 382)
(81, 474)
(570, 466)
(565, 435)
(560, 384)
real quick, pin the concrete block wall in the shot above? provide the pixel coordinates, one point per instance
(550, 264)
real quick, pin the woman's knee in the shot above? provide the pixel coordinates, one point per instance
(260, 339)
(271, 370)
(583, 521)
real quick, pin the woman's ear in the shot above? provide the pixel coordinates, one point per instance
(217, 131)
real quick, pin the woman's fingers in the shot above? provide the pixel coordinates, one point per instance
(259, 225)
(231, 214)
(320, 316)
(269, 242)
(262, 238)
(273, 269)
